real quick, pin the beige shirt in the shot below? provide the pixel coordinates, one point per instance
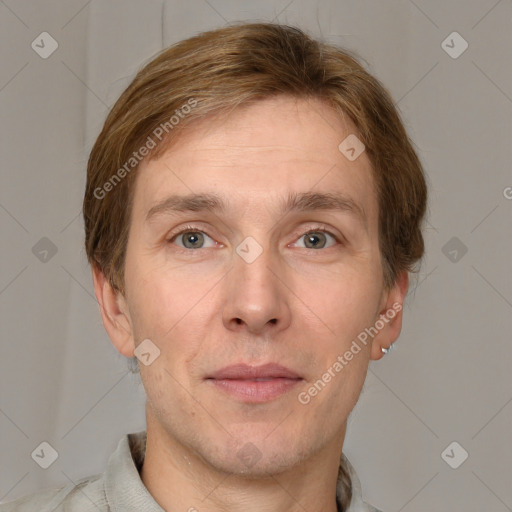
(119, 488)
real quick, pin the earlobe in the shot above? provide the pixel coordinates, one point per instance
(390, 316)
(114, 313)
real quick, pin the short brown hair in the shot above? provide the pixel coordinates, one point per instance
(217, 71)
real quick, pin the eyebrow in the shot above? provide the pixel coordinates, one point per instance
(295, 202)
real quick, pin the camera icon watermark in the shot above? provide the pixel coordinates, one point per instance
(249, 249)
(351, 147)
(146, 352)
(44, 45)
(454, 249)
(249, 454)
(454, 455)
(44, 250)
(45, 455)
(454, 45)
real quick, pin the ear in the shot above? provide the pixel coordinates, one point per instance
(114, 313)
(390, 315)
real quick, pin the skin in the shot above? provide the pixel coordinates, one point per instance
(206, 308)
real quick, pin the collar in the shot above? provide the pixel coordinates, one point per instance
(126, 492)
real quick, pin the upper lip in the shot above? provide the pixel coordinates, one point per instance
(246, 372)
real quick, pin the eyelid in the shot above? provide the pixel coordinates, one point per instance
(183, 229)
(187, 228)
(318, 227)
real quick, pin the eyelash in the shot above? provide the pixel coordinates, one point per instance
(190, 227)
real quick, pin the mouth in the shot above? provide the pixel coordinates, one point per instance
(254, 384)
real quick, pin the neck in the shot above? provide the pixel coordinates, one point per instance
(179, 480)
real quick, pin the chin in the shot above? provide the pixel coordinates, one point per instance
(262, 465)
(253, 455)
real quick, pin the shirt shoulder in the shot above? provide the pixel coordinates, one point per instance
(370, 508)
(119, 487)
(357, 504)
(362, 506)
(86, 494)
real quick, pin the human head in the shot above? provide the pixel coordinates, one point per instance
(193, 88)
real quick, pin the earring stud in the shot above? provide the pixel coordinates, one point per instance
(386, 350)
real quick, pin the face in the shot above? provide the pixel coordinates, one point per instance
(254, 294)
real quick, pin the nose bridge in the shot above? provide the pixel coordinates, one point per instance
(256, 298)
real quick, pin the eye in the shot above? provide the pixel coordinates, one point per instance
(191, 238)
(317, 239)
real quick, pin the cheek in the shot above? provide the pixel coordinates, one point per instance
(169, 307)
(166, 392)
(340, 304)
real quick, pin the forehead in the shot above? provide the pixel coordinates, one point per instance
(258, 155)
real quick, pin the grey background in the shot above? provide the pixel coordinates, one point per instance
(449, 379)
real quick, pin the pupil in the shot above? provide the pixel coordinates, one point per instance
(311, 239)
(193, 238)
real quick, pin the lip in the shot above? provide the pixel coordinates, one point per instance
(246, 372)
(255, 384)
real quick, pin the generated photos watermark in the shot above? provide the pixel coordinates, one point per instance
(137, 156)
(305, 397)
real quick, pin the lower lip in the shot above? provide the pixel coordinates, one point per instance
(253, 391)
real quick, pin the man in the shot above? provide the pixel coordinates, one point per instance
(252, 210)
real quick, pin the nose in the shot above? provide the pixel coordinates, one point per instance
(257, 299)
